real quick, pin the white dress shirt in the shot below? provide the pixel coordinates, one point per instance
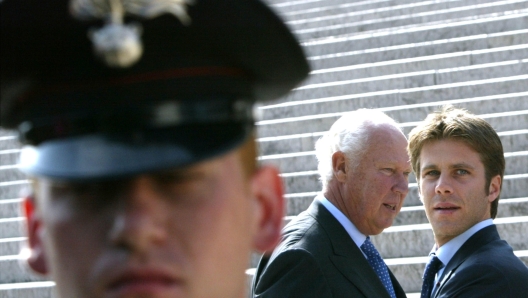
(351, 229)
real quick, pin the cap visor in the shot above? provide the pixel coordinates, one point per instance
(99, 156)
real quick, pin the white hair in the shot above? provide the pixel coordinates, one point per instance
(349, 134)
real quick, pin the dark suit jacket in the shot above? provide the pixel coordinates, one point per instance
(317, 258)
(484, 266)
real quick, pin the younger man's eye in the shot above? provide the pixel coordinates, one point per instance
(431, 173)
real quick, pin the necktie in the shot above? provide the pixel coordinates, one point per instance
(432, 267)
(376, 262)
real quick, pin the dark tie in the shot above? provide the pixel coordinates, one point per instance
(376, 262)
(432, 267)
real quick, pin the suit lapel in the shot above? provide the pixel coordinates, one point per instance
(262, 264)
(347, 257)
(396, 285)
(476, 241)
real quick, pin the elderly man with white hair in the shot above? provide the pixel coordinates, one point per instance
(326, 250)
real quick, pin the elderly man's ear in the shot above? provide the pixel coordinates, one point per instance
(339, 166)
(267, 189)
(36, 258)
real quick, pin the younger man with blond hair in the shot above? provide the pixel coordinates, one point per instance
(459, 164)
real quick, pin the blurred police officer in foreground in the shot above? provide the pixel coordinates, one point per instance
(139, 132)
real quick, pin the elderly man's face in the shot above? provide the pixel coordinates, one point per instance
(376, 188)
(182, 233)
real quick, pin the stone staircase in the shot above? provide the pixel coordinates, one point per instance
(405, 57)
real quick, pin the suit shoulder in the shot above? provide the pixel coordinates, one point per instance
(303, 232)
(491, 271)
(489, 255)
(294, 272)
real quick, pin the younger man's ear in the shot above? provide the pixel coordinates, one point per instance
(267, 188)
(36, 258)
(494, 188)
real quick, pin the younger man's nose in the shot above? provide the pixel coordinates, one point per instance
(443, 185)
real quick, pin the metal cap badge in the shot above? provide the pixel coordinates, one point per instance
(117, 44)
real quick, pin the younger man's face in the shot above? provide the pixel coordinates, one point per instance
(182, 233)
(453, 188)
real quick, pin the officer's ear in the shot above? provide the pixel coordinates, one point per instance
(36, 258)
(267, 189)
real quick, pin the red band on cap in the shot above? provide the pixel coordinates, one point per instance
(190, 72)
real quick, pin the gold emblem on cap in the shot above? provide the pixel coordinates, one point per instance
(116, 43)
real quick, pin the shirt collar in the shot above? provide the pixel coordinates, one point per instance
(446, 252)
(351, 229)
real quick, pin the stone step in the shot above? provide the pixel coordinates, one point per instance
(12, 227)
(404, 105)
(8, 140)
(10, 172)
(430, 97)
(416, 79)
(36, 289)
(516, 162)
(453, 28)
(12, 246)
(406, 115)
(345, 12)
(418, 63)
(14, 270)
(9, 156)
(443, 46)
(514, 140)
(346, 23)
(328, 7)
(6, 134)
(501, 121)
(10, 208)
(14, 189)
